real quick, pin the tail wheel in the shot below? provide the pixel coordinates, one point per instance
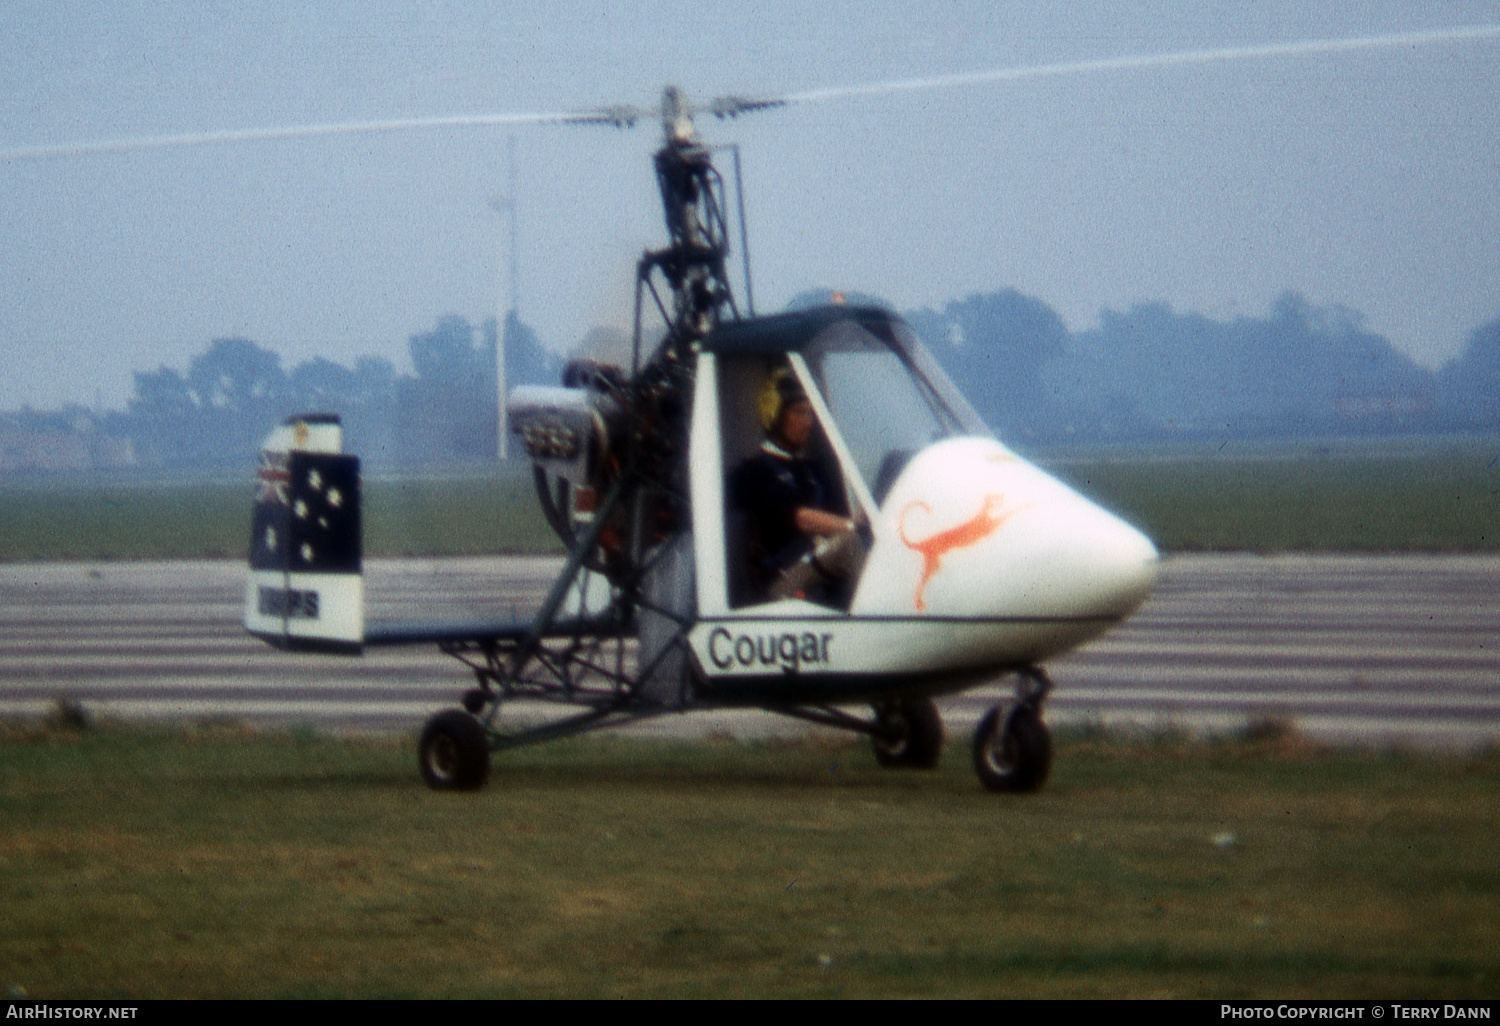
(909, 733)
(454, 752)
(1012, 753)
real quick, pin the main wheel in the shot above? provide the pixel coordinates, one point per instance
(454, 753)
(910, 733)
(1014, 753)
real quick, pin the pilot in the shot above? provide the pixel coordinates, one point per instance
(800, 541)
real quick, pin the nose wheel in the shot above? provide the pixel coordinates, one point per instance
(1012, 749)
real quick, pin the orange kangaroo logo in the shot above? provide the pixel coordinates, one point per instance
(933, 548)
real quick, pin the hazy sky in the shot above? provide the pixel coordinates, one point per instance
(1366, 177)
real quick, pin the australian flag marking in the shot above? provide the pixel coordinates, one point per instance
(306, 517)
(273, 478)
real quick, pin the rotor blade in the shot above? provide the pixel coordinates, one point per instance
(733, 106)
(620, 116)
(1300, 48)
(625, 116)
(156, 142)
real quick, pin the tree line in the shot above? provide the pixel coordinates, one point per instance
(1147, 373)
(215, 414)
(1151, 373)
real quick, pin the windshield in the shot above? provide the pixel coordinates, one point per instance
(888, 398)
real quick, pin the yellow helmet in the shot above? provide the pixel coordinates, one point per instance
(780, 389)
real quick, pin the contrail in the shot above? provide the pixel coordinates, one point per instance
(1299, 48)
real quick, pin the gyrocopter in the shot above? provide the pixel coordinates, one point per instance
(797, 513)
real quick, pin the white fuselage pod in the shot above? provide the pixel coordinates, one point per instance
(980, 562)
(1020, 565)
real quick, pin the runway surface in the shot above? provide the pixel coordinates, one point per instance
(1374, 649)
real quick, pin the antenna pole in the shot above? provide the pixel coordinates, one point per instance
(515, 288)
(504, 313)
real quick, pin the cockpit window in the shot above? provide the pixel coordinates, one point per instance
(888, 398)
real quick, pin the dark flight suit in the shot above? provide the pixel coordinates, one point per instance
(765, 492)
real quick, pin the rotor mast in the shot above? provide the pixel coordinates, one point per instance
(687, 284)
(692, 195)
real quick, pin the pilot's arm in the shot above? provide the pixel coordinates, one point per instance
(820, 522)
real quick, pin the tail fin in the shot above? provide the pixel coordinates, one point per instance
(305, 589)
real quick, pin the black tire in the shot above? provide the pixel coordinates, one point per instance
(454, 752)
(1013, 757)
(911, 734)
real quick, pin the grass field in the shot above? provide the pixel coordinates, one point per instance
(123, 519)
(1433, 495)
(219, 862)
